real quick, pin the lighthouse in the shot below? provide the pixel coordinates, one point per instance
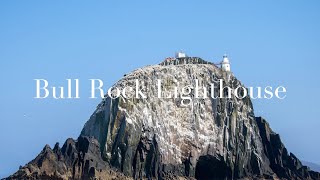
(225, 64)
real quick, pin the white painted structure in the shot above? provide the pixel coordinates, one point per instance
(181, 54)
(225, 64)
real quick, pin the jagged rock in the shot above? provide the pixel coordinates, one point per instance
(285, 165)
(159, 138)
(79, 159)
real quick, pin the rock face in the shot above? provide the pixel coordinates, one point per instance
(160, 138)
(284, 165)
(75, 160)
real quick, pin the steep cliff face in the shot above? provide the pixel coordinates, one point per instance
(155, 136)
(161, 138)
(283, 164)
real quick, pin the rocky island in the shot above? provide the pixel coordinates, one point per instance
(158, 138)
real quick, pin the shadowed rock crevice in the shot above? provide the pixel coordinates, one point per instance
(210, 167)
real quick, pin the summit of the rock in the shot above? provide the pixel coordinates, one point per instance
(184, 60)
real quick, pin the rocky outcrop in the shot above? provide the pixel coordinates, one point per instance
(155, 137)
(161, 138)
(79, 159)
(283, 164)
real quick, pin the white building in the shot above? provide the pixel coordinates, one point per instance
(225, 64)
(181, 54)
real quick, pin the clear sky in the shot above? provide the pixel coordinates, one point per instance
(269, 43)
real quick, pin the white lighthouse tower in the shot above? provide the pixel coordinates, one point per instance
(225, 64)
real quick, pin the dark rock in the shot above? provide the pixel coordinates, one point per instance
(286, 166)
(79, 159)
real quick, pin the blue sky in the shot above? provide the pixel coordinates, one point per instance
(268, 42)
